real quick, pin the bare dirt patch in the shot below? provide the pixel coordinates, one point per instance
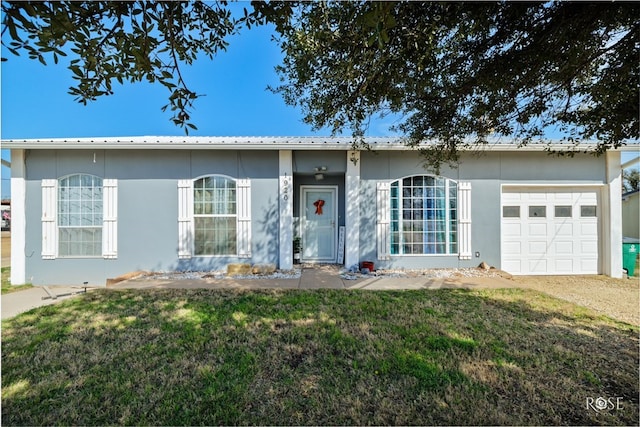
(618, 298)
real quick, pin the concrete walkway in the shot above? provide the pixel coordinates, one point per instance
(316, 277)
(321, 277)
(18, 302)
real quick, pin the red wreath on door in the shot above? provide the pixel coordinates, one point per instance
(318, 204)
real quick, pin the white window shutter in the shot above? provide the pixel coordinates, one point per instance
(110, 218)
(185, 218)
(464, 219)
(382, 224)
(243, 203)
(49, 211)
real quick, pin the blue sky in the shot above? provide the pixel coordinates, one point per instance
(35, 103)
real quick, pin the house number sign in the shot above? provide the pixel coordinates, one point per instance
(285, 188)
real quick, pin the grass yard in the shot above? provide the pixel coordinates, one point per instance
(202, 357)
(6, 283)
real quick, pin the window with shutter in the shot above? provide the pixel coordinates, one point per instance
(424, 215)
(214, 217)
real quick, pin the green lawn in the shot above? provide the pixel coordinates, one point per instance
(6, 283)
(202, 357)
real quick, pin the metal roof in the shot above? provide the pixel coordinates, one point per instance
(267, 143)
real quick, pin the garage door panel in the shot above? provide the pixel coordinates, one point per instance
(588, 247)
(512, 265)
(511, 198)
(589, 265)
(563, 247)
(512, 229)
(564, 229)
(564, 265)
(589, 229)
(538, 230)
(554, 234)
(537, 248)
(563, 197)
(538, 197)
(538, 266)
(587, 198)
(513, 248)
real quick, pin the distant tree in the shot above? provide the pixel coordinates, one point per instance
(630, 180)
(455, 73)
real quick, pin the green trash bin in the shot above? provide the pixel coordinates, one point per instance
(630, 248)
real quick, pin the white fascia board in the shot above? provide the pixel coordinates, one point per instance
(190, 143)
(272, 143)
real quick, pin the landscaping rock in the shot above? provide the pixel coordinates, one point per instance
(484, 266)
(263, 268)
(126, 276)
(241, 268)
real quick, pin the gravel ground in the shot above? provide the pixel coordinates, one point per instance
(618, 298)
(220, 274)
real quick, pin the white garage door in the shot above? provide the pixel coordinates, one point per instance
(550, 231)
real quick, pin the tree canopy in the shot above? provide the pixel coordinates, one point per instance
(454, 74)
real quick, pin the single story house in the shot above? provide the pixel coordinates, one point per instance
(88, 209)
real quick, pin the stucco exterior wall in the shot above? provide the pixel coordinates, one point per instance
(148, 201)
(487, 172)
(148, 208)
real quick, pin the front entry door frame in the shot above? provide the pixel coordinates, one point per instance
(310, 241)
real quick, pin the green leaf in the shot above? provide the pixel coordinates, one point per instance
(76, 70)
(12, 32)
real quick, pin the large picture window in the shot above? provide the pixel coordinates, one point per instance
(80, 216)
(424, 217)
(215, 217)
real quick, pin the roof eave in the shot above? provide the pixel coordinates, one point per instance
(265, 143)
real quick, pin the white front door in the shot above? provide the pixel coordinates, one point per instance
(318, 215)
